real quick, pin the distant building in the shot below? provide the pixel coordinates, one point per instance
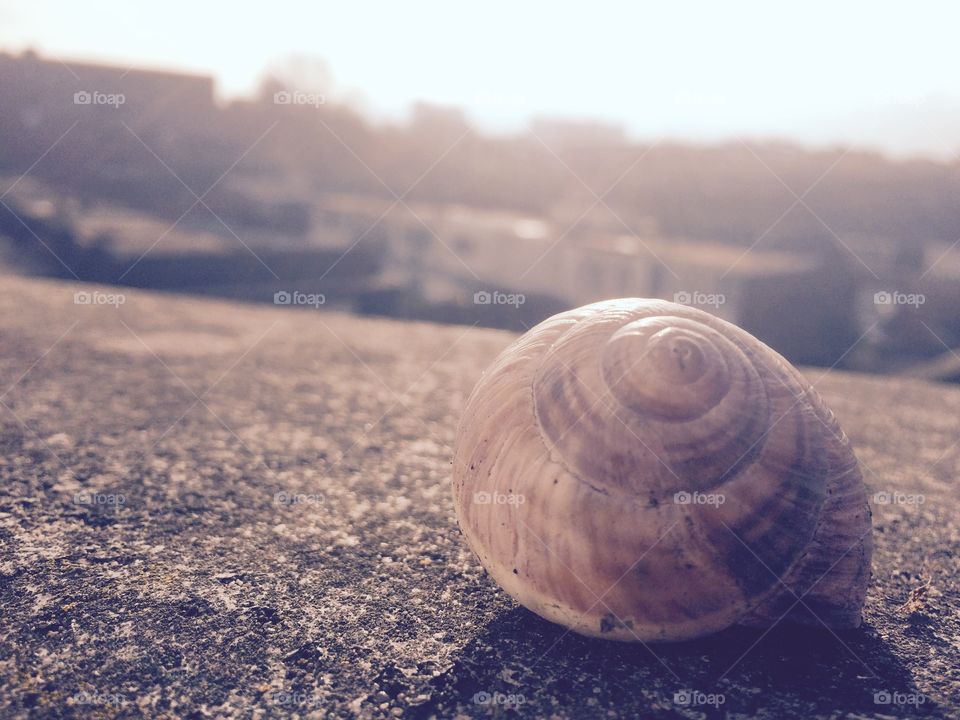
(560, 133)
(30, 77)
(92, 118)
(442, 118)
(46, 95)
(582, 211)
(447, 253)
(907, 298)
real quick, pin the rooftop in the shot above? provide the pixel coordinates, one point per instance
(121, 71)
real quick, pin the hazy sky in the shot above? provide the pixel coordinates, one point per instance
(822, 72)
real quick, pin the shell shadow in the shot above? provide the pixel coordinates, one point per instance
(525, 664)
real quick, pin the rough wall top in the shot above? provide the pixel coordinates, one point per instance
(213, 509)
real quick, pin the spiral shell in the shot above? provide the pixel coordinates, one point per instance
(640, 470)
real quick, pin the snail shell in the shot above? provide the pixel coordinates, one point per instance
(641, 470)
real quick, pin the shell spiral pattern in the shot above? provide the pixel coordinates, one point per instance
(641, 470)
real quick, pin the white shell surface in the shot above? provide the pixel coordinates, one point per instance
(641, 470)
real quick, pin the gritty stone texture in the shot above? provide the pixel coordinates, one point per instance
(285, 542)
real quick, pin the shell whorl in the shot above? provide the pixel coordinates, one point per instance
(668, 368)
(607, 394)
(603, 420)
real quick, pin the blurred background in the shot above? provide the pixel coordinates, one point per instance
(795, 173)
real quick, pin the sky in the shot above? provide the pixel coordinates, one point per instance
(875, 74)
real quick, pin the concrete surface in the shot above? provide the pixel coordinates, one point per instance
(209, 509)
